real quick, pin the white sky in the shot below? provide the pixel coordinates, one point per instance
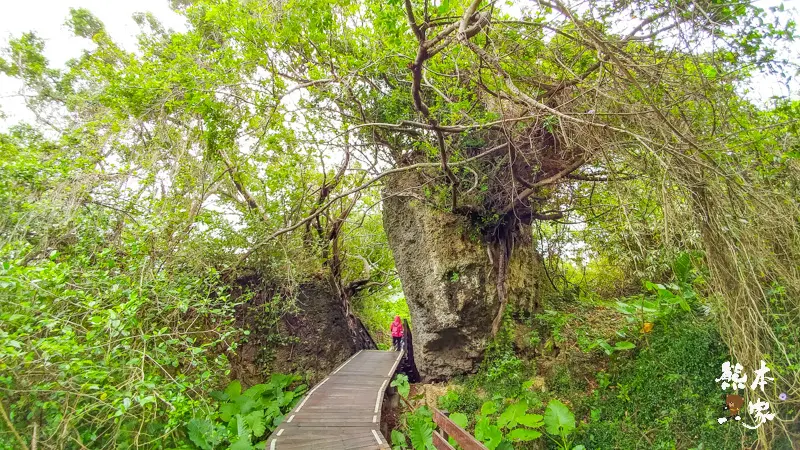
(47, 17)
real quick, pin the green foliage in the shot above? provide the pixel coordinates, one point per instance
(205, 434)
(105, 334)
(419, 426)
(609, 349)
(83, 23)
(243, 418)
(460, 419)
(668, 389)
(556, 321)
(398, 440)
(502, 371)
(461, 398)
(401, 383)
(420, 431)
(559, 421)
(514, 424)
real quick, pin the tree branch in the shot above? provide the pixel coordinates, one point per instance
(369, 183)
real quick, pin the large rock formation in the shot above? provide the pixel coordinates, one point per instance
(450, 279)
(313, 340)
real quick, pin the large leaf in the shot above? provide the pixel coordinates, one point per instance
(242, 443)
(398, 439)
(624, 345)
(281, 381)
(256, 391)
(682, 266)
(234, 390)
(401, 383)
(511, 415)
(287, 398)
(488, 408)
(505, 445)
(255, 420)
(531, 420)
(459, 419)
(245, 404)
(227, 411)
(204, 434)
(488, 433)
(558, 419)
(420, 430)
(523, 435)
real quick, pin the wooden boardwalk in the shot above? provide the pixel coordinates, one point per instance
(343, 411)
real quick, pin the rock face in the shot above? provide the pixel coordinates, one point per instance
(316, 337)
(449, 280)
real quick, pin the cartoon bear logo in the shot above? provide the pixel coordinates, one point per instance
(733, 403)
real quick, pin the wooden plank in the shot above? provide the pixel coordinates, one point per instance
(343, 410)
(334, 441)
(465, 440)
(440, 442)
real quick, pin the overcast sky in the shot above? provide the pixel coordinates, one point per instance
(46, 18)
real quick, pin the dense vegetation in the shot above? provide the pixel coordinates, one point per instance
(616, 136)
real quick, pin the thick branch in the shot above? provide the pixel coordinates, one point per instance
(369, 183)
(574, 165)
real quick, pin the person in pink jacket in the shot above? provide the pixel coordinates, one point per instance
(397, 333)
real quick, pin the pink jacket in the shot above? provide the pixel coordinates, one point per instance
(397, 327)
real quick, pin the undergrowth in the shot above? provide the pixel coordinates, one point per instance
(662, 395)
(665, 397)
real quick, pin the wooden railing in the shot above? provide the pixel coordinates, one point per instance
(448, 428)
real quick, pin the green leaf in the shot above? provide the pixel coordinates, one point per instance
(531, 420)
(487, 433)
(459, 419)
(624, 345)
(234, 390)
(523, 435)
(558, 419)
(605, 346)
(581, 447)
(682, 266)
(511, 415)
(256, 422)
(243, 443)
(401, 383)
(398, 439)
(488, 408)
(505, 445)
(420, 431)
(227, 411)
(203, 433)
(444, 7)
